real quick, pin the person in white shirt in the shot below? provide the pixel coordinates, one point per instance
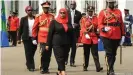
(25, 31)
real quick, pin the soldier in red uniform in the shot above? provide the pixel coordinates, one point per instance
(111, 30)
(40, 29)
(89, 38)
(13, 26)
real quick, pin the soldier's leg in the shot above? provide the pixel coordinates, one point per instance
(114, 53)
(11, 34)
(94, 51)
(86, 49)
(48, 57)
(108, 49)
(42, 48)
(129, 39)
(14, 37)
(45, 57)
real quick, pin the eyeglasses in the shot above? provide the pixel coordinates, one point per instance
(73, 4)
(29, 10)
(62, 12)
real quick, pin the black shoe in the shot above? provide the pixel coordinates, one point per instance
(107, 73)
(44, 72)
(85, 69)
(72, 65)
(100, 69)
(66, 63)
(31, 70)
(112, 73)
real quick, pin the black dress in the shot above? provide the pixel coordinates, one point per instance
(60, 40)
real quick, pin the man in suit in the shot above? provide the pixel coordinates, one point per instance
(74, 17)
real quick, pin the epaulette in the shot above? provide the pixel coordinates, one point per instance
(37, 15)
(52, 14)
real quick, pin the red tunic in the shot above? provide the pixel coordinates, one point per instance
(41, 27)
(116, 31)
(13, 23)
(85, 23)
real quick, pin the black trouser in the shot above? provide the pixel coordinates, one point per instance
(9, 36)
(14, 37)
(73, 49)
(61, 53)
(45, 57)
(110, 46)
(30, 50)
(94, 51)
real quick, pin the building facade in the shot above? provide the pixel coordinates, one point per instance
(20, 5)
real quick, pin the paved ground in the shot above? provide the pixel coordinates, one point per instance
(13, 63)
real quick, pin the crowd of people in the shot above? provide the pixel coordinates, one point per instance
(64, 33)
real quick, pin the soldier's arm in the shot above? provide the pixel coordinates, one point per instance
(8, 21)
(96, 23)
(35, 28)
(83, 27)
(101, 20)
(122, 25)
(17, 23)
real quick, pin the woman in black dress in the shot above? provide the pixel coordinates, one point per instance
(59, 37)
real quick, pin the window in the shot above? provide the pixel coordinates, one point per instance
(90, 3)
(52, 7)
(14, 6)
(35, 6)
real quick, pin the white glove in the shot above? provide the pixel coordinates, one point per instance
(87, 36)
(122, 40)
(34, 42)
(98, 40)
(107, 28)
(127, 26)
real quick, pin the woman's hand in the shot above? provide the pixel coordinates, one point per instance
(47, 48)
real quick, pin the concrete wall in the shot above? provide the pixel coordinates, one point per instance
(22, 6)
(129, 5)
